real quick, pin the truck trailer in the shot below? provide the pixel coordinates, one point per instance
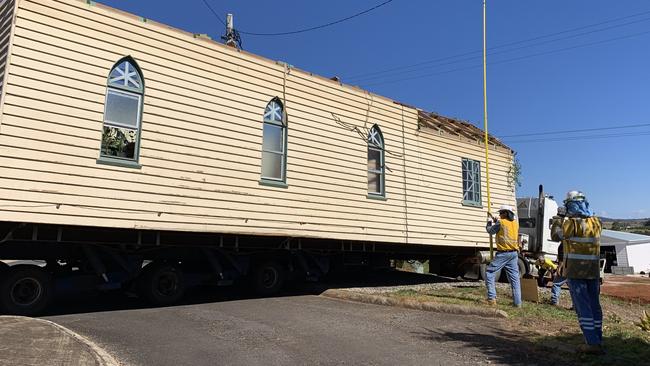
(136, 156)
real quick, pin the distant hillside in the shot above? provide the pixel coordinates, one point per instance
(635, 222)
(637, 226)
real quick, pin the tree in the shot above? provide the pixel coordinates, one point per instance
(647, 223)
(514, 173)
(618, 226)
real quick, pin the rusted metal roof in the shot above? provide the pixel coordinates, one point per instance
(455, 127)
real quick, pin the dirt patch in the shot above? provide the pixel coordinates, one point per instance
(630, 288)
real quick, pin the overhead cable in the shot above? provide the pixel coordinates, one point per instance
(513, 59)
(576, 131)
(457, 61)
(585, 137)
(362, 76)
(305, 29)
(214, 12)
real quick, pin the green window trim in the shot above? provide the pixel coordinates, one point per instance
(107, 160)
(377, 197)
(376, 167)
(274, 144)
(122, 119)
(273, 183)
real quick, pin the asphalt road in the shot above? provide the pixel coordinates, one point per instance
(295, 330)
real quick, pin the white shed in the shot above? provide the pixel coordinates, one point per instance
(632, 250)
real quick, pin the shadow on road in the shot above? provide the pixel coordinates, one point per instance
(512, 348)
(118, 300)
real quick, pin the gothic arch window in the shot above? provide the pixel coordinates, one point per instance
(376, 163)
(274, 142)
(123, 113)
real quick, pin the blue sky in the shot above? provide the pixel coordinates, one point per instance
(597, 78)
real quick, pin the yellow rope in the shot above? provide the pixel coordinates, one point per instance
(485, 128)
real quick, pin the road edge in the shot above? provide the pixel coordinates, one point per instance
(412, 304)
(102, 357)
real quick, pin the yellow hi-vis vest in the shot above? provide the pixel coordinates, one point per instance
(582, 247)
(507, 237)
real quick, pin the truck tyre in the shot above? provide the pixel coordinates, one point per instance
(483, 270)
(523, 269)
(161, 284)
(541, 277)
(268, 278)
(25, 290)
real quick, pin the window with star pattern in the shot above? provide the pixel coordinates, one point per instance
(376, 166)
(123, 112)
(274, 142)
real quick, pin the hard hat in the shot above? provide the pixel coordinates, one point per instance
(574, 196)
(507, 208)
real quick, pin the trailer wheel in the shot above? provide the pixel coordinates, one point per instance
(500, 275)
(268, 278)
(25, 290)
(541, 277)
(161, 284)
(523, 268)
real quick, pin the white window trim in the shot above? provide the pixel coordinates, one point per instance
(476, 182)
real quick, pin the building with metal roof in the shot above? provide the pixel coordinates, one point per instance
(626, 252)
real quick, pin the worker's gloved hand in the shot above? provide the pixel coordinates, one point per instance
(489, 222)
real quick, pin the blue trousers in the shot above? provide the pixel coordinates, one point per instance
(509, 261)
(558, 282)
(586, 301)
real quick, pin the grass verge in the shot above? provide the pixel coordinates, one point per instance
(551, 328)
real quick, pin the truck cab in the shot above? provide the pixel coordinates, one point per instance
(535, 223)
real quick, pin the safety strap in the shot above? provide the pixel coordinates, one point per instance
(582, 240)
(584, 257)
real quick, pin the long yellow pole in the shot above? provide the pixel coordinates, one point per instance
(485, 128)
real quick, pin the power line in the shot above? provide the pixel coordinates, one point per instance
(513, 59)
(502, 46)
(214, 12)
(305, 29)
(576, 131)
(360, 80)
(587, 137)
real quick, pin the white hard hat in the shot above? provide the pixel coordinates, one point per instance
(507, 208)
(574, 196)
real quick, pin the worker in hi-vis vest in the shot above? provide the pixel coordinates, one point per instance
(506, 229)
(580, 236)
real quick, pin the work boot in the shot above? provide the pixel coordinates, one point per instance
(591, 349)
(491, 302)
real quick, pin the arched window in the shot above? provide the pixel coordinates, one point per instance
(122, 113)
(376, 173)
(274, 144)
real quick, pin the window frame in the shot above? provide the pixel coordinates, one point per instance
(114, 88)
(471, 168)
(382, 162)
(284, 129)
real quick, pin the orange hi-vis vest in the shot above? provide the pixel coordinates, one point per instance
(582, 247)
(508, 235)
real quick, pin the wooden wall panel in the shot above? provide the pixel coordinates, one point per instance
(201, 141)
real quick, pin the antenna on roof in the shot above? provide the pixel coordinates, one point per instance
(232, 37)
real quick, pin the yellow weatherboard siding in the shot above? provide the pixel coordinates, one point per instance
(200, 147)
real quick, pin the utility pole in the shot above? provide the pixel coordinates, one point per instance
(485, 128)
